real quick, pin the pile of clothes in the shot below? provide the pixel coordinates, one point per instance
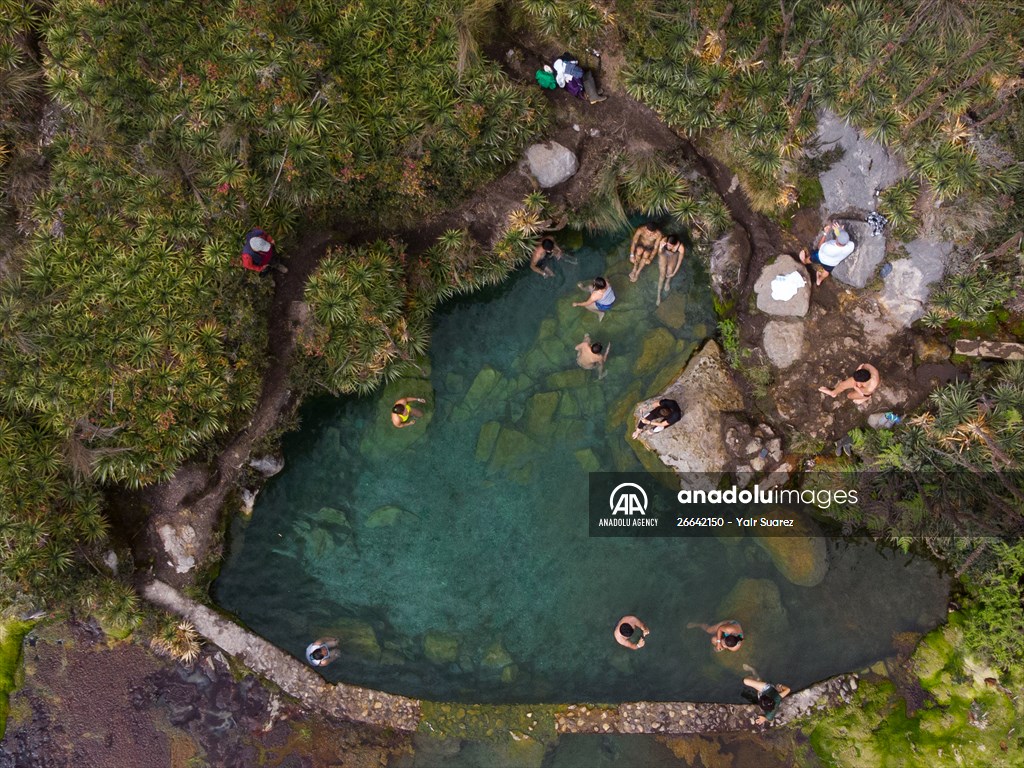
(567, 73)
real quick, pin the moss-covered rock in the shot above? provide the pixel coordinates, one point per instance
(512, 450)
(388, 515)
(487, 385)
(588, 460)
(802, 557)
(485, 441)
(381, 437)
(539, 418)
(356, 639)
(441, 647)
(495, 656)
(672, 311)
(569, 379)
(757, 605)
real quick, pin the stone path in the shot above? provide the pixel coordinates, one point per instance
(386, 710)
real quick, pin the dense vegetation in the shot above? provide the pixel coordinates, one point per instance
(130, 337)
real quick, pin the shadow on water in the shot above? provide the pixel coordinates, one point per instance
(452, 559)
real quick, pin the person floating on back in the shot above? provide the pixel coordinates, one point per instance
(544, 255)
(601, 297)
(670, 259)
(862, 383)
(630, 633)
(258, 253)
(725, 635)
(592, 355)
(322, 652)
(768, 698)
(830, 248)
(643, 248)
(663, 416)
(403, 414)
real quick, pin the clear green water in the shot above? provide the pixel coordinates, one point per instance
(388, 537)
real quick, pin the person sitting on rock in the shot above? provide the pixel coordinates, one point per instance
(768, 698)
(725, 635)
(626, 633)
(403, 414)
(592, 355)
(862, 383)
(665, 415)
(322, 652)
(830, 248)
(643, 248)
(670, 259)
(546, 252)
(601, 297)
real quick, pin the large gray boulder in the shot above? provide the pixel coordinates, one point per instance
(908, 286)
(783, 342)
(859, 267)
(794, 307)
(551, 163)
(866, 167)
(705, 391)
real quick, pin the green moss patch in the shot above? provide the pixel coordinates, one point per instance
(486, 722)
(12, 633)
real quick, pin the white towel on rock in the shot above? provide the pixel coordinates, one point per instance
(784, 287)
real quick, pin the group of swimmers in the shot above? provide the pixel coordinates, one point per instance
(630, 632)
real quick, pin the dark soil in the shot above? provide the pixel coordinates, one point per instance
(89, 705)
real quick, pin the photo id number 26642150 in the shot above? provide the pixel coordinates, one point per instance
(700, 522)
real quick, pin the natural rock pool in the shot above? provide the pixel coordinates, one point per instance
(452, 557)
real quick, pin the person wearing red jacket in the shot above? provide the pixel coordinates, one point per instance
(258, 252)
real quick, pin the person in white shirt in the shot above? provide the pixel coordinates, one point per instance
(830, 248)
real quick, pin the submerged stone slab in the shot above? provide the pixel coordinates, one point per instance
(672, 311)
(999, 350)
(859, 267)
(795, 306)
(802, 558)
(441, 647)
(551, 163)
(486, 439)
(657, 345)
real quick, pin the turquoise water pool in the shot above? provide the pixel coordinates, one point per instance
(452, 558)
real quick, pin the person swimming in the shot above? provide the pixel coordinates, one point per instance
(626, 635)
(601, 296)
(544, 255)
(590, 355)
(322, 652)
(403, 414)
(725, 635)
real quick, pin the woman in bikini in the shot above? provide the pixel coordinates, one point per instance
(403, 414)
(670, 259)
(644, 248)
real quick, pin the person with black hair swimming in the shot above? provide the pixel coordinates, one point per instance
(544, 255)
(403, 414)
(322, 652)
(725, 635)
(670, 259)
(591, 355)
(643, 248)
(862, 383)
(663, 416)
(768, 698)
(601, 297)
(630, 633)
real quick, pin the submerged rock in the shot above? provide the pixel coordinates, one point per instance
(356, 639)
(441, 647)
(801, 558)
(496, 657)
(551, 163)
(540, 414)
(704, 391)
(381, 438)
(512, 450)
(672, 311)
(757, 605)
(657, 345)
(485, 441)
(385, 516)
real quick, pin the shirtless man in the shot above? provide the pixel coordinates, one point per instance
(545, 252)
(592, 355)
(725, 635)
(626, 632)
(644, 248)
(670, 259)
(862, 384)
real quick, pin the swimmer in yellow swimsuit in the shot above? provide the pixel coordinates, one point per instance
(644, 248)
(403, 414)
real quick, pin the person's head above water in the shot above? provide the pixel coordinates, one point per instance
(319, 652)
(596, 348)
(548, 244)
(766, 702)
(600, 282)
(626, 629)
(399, 408)
(731, 641)
(861, 375)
